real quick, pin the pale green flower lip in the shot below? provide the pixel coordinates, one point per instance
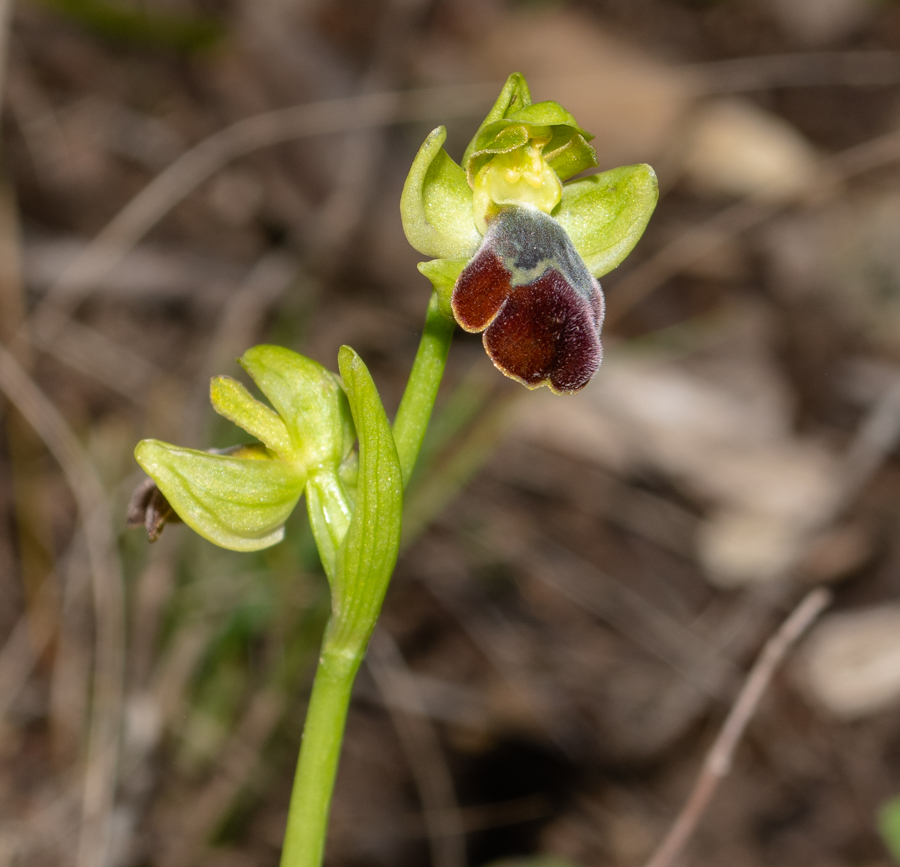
(521, 160)
(239, 503)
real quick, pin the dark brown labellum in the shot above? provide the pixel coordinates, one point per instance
(538, 305)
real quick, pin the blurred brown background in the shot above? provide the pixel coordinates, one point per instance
(586, 578)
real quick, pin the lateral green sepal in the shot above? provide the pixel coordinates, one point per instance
(606, 214)
(436, 203)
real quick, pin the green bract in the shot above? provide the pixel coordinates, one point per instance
(514, 276)
(241, 499)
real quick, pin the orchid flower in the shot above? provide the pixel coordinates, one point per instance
(240, 498)
(518, 246)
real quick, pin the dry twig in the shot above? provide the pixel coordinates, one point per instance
(90, 497)
(19, 655)
(200, 163)
(70, 679)
(718, 760)
(798, 69)
(5, 15)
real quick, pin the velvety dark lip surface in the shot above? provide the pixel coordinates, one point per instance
(539, 307)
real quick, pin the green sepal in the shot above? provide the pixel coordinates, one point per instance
(330, 509)
(443, 274)
(547, 113)
(606, 214)
(231, 400)
(436, 203)
(237, 502)
(309, 399)
(514, 97)
(367, 556)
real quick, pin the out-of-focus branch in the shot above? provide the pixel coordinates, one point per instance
(6, 7)
(90, 497)
(18, 656)
(198, 164)
(718, 760)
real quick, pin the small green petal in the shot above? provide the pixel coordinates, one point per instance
(569, 155)
(495, 138)
(443, 274)
(502, 136)
(231, 400)
(310, 401)
(233, 502)
(606, 214)
(436, 204)
(514, 96)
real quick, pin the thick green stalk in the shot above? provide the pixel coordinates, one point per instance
(323, 732)
(352, 623)
(421, 390)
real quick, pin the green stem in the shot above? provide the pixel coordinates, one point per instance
(323, 731)
(421, 390)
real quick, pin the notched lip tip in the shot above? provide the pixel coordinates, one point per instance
(534, 386)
